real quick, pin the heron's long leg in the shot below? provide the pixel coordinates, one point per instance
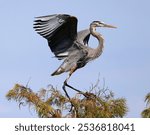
(65, 91)
(73, 88)
(66, 84)
(64, 88)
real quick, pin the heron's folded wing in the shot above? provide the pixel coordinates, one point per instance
(83, 36)
(60, 30)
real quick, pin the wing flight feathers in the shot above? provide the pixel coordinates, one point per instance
(59, 29)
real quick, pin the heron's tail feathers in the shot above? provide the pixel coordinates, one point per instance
(58, 71)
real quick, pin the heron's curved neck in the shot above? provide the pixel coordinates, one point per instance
(97, 51)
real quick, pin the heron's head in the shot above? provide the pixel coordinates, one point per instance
(101, 24)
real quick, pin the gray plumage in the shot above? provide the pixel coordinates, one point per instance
(66, 43)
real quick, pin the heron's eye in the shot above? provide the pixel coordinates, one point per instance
(100, 24)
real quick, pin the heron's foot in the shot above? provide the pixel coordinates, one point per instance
(89, 95)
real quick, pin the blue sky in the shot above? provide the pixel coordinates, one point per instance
(125, 62)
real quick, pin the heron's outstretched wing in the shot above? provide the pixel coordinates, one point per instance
(83, 36)
(60, 30)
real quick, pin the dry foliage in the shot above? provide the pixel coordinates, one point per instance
(50, 103)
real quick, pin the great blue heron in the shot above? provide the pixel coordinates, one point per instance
(69, 45)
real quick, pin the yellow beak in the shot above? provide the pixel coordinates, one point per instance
(109, 26)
